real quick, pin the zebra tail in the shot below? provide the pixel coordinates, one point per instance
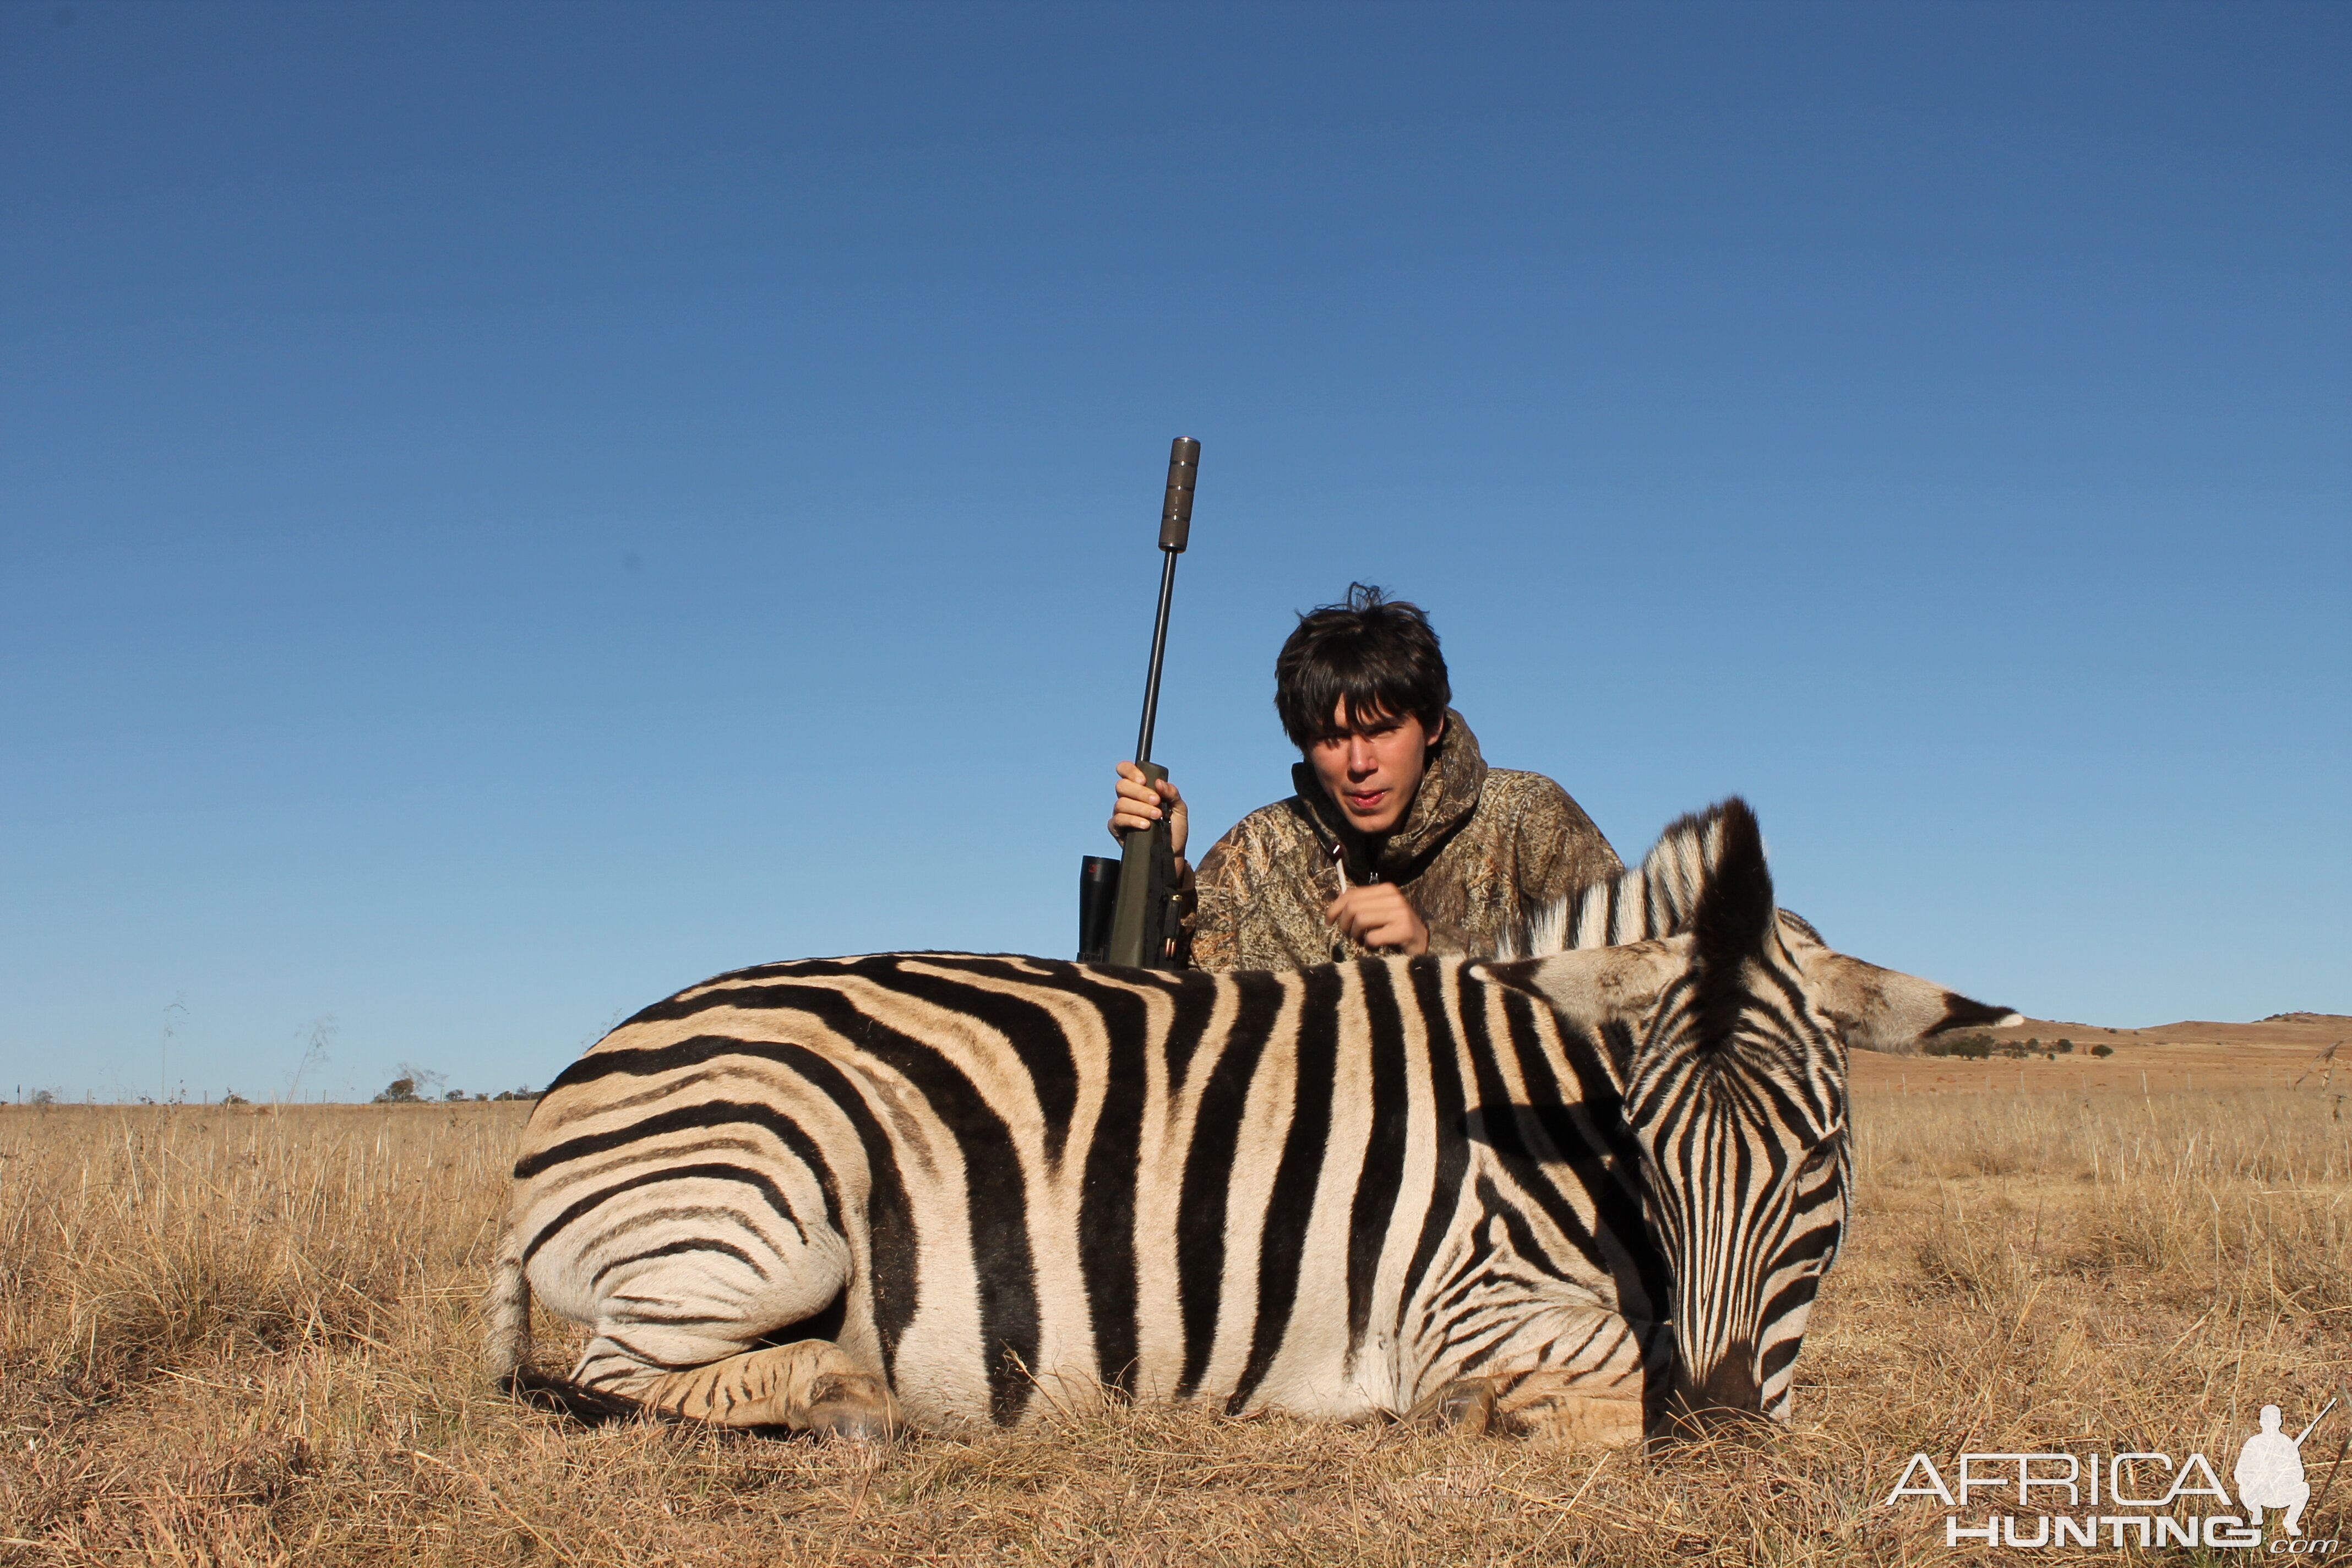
(506, 1319)
(506, 1349)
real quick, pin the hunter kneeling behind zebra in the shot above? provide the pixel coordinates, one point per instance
(1582, 1194)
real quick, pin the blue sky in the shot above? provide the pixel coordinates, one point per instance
(508, 510)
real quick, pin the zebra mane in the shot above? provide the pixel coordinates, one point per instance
(1656, 899)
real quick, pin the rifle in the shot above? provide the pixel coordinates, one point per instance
(1129, 909)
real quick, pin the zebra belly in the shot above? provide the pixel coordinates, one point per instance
(1482, 1312)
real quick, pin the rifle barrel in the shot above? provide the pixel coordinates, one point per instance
(1175, 532)
(1159, 653)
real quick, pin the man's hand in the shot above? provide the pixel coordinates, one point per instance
(1139, 804)
(1379, 916)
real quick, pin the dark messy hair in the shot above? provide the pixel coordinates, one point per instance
(1374, 654)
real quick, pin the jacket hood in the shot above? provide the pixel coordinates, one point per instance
(1448, 794)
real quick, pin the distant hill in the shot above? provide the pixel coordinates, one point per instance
(2312, 1030)
(2283, 1051)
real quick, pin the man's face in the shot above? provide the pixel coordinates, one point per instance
(1374, 768)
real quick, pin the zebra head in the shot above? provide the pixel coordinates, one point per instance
(1732, 1035)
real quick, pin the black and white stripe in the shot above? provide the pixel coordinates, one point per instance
(1581, 1183)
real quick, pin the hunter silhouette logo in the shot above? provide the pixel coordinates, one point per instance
(2147, 1492)
(2269, 1470)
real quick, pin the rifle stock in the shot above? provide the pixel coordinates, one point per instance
(1146, 879)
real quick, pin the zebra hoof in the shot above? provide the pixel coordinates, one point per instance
(852, 1407)
(1467, 1406)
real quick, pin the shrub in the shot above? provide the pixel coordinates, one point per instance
(1968, 1047)
(2103, 1050)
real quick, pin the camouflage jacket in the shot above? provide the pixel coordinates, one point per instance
(1480, 850)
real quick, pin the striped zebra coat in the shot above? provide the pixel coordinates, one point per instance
(1569, 1193)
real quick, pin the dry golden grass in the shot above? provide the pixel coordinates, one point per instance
(239, 1337)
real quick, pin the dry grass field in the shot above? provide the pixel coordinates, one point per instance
(242, 1337)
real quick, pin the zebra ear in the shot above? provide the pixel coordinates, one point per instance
(1735, 916)
(1886, 1010)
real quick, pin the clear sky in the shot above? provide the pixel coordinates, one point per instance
(508, 510)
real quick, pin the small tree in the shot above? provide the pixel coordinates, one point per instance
(2103, 1050)
(414, 1084)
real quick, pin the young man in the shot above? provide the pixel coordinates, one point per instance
(1400, 838)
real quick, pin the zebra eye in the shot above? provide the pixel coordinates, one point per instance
(1823, 1155)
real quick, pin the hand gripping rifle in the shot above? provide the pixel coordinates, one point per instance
(1130, 910)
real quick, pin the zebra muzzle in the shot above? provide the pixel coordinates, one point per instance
(1730, 1392)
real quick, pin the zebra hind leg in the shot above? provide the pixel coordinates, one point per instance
(734, 1325)
(809, 1385)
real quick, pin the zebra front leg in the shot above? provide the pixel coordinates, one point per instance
(810, 1386)
(1556, 1410)
(1590, 1389)
(1467, 1404)
(1584, 1385)
(1551, 1408)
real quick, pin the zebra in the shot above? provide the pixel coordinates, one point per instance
(1579, 1193)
